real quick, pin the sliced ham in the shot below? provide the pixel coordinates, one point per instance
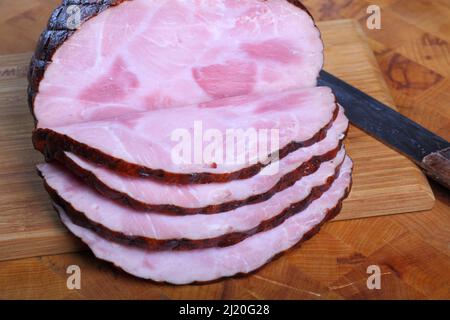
(143, 144)
(150, 54)
(209, 264)
(86, 208)
(114, 85)
(145, 194)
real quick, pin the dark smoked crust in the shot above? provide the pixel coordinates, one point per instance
(50, 143)
(300, 5)
(55, 34)
(305, 169)
(331, 214)
(226, 240)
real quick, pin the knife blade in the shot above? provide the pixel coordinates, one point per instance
(429, 151)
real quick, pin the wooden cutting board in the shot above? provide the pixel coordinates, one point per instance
(384, 181)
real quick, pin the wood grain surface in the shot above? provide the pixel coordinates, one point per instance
(411, 249)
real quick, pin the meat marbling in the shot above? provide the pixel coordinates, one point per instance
(128, 56)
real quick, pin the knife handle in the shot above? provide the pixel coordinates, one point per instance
(437, 166)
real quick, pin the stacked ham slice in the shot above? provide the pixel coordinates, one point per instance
(113, 97)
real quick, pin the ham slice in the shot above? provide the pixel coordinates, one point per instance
(145, 194)
(214, 263)
(149, 54)
(143, 144)
(119, 223)
(114, 85)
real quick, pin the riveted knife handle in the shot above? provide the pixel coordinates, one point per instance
(437, 166)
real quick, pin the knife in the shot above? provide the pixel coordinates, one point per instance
(429, 151)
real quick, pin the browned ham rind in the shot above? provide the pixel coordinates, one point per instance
(288, 180)
(80, 219)
(211, 264)
(330, 215)
(50, 143)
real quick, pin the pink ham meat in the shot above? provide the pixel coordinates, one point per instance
(145, 194)
(143, 144)
(214, 263)
(150, 54)
(109, 94)
(121, 219)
